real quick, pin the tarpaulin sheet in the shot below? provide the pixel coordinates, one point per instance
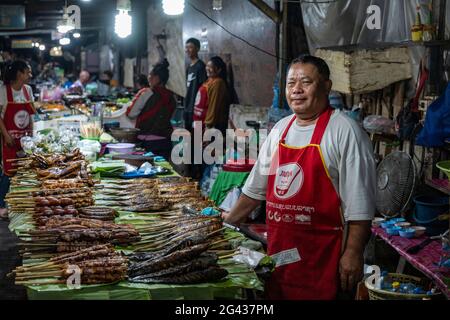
(344, 22)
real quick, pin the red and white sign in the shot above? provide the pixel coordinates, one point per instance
(288, 180)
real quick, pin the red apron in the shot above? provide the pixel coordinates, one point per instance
(18, 123)
(148, 114)
(305, 226)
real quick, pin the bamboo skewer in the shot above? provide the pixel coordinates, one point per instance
(18, 159)
(228, 256)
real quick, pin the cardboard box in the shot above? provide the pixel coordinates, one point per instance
(356, 71)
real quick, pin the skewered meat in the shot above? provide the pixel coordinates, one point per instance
(203, 262)
(98, 264)
(208, 275)
(66, 183)
(89, 252)
(182, 244)
(101, 270)
(168, 261)
(98, 213)
(104, 278)
(71, 169)
(56, 222)
(62, 192)
(64, 247)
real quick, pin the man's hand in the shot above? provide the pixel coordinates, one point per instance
(351, 269)
(9, 140)
(225, 215)
(239, 213)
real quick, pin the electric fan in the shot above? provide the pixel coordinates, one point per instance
(396, 181)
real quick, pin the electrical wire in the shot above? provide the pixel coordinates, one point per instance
(308, 2)
(247, 42)
(231, 33)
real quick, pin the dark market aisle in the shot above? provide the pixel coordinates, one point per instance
(9, 259)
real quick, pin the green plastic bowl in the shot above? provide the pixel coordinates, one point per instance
(445, 167)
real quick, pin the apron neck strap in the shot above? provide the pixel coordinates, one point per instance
(9, 94)
(319, 130)
(25, 93)
(321, 126)
(283, 137)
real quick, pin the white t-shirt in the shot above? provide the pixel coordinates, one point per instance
(347, 153)
(18, 96)
(139, 104)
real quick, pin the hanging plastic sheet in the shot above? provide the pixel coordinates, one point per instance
(344, 22)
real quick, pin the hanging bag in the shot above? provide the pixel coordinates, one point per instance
(409, 117)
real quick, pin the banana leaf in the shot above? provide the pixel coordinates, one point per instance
(92, 292)
(108, 168)
(20, 222)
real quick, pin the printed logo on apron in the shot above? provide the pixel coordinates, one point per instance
(288, 180)
(22, 119)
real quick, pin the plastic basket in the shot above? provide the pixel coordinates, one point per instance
(445, 167)
(379, 294)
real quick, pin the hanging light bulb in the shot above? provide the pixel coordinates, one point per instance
(64, 41)
(56, 52)
(42, 47)
(123, 23)
(173, 7)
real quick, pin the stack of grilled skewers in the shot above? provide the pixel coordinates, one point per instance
(95, 264)
(144, 195)
(61, 234)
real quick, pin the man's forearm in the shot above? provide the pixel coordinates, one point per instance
(2, 127)
(243, 207)
(358, 236)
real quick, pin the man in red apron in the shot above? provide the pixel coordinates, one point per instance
(303, 211)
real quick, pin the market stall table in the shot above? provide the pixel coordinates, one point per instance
(43, 280)
(425, 260)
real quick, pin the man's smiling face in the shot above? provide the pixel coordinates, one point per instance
(306, 90)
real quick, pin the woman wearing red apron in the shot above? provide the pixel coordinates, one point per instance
(16, 120)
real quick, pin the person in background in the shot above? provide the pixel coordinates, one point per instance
(80, 85)
(212, 104)
(195, 77)
(104, 83)
(16, 121)
(153, 107)
(141, 82)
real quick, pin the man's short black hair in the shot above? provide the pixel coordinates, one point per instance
(194, 41)
(319, 63)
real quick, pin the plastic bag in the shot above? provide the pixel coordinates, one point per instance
(146, 168)
(250, 257)
(437, 123)
(379, 124)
